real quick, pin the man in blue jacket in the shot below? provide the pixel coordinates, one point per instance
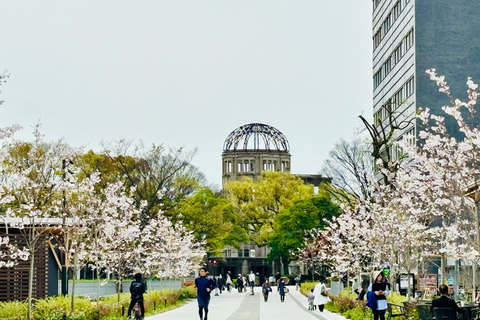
(204, 286)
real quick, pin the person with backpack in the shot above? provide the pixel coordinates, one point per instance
(137, 289)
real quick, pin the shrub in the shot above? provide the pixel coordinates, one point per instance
(307, 286)
(56, 307)
(108, 308)
(347, 305)
(13, 310)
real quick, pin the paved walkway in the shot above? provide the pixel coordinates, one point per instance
(243, 306)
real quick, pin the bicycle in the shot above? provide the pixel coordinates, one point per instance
(138, 311)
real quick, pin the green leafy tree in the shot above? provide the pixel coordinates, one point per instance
(212, 219)
(292, 224)
(162, 177)
(258, 203)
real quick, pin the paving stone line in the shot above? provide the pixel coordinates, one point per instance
(302, 306)
(249, 309)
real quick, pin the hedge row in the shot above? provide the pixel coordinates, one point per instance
(59, 307)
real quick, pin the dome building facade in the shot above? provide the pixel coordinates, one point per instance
(250, 150)
(253, 148)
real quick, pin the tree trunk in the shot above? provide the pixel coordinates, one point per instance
(30, 283)
(285, 265)
(98, 287)
(73, 280)
(119, 287)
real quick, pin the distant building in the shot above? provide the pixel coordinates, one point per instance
(253, 148)
(248, 151)
(411, 36)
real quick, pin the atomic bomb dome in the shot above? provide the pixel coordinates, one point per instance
(264, 137)
(253, 148)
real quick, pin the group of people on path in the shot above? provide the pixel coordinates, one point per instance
(206, 285)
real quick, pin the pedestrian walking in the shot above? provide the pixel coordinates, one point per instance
(220, 283)
(282, 289)
(240, 283)
(320, 296)
(261, 279)
(297, 281)
(310, 298)
(229, 282)
(204, 286)
(266, 289)
(377, 293)
(251, 281)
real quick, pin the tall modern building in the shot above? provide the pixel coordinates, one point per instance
(411, 36)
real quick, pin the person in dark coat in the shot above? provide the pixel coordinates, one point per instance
(277, 277)
(261, 279)
(281, 290)
(240, 283)
(137, 289)
(266, 289)
(221, 283)
(444, 301)
(204, 286)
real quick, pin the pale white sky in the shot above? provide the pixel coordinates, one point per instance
(187, 73)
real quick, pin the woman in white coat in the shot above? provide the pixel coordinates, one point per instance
(321, 298)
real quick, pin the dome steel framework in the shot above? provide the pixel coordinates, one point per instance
(271, 137)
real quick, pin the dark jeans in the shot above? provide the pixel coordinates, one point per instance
(265, 296)
(379, 314)
(132, 304)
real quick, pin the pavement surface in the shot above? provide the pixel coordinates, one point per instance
(243, 306)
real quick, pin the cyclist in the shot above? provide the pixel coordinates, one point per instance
(137, 289)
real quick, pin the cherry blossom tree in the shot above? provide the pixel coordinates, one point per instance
(168, 251)
(429, 203)
(32, 178)
(118, 242)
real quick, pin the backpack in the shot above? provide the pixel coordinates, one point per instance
(137, 289)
